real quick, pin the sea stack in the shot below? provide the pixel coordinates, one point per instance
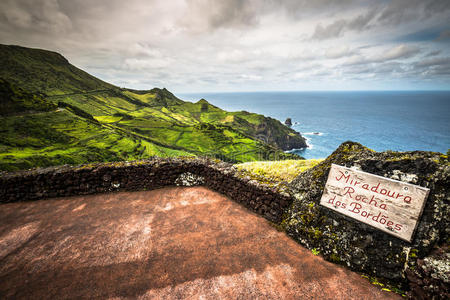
(288, 122)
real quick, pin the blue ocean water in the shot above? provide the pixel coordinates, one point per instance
(399, 121)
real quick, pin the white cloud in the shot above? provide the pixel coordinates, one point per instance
(338, 52)
(398, 52)
(137, 64)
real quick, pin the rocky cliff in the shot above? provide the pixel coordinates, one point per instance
(280, 135)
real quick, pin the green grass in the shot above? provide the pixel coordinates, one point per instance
(44, 71)
(285, 170)
(108, 119)
(64, 138)
(14, 100)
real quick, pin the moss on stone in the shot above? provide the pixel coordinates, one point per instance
(357, 245)
(335, 258)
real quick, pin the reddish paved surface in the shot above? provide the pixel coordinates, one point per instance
(173, 243)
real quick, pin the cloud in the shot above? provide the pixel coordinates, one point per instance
(38, 15)
(250, 77)
(432, 67)
(213, 14)
(433, 53)
(444, 35)
(143, 50)
(195, 45)
(398, 52)
(432, 62)
(333, 30)
(136, 64)
(337, 28)
(338, 52)
(401, 11)
(233, 56)
(210, 14)
(379, 15)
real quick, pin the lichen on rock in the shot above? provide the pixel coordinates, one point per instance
(357, 245)
(189, 179)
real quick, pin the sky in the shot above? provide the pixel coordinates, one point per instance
(236, 45)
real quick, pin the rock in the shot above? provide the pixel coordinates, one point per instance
(273, 132)
(288, 122)
(189, 179)
(379, 254)
(430, 278)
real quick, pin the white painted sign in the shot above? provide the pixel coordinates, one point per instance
(386, 204)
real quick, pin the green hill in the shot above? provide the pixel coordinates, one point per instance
(44, 71)
(15, 100)
(96, 121)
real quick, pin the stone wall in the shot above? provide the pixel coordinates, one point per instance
(65, 181)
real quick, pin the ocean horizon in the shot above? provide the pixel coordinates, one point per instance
(380, 120)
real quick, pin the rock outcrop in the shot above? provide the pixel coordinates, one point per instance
(357, 245)
(276, 133)
(288, 122)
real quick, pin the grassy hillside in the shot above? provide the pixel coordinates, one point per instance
(69, 116)
(14, 100)
(47, 72)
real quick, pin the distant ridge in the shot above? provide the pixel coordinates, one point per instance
(48, 72)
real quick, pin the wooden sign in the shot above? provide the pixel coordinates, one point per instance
(386, 204)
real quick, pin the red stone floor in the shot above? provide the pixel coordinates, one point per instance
(172, 243)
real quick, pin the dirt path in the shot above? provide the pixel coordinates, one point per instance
(172, 243)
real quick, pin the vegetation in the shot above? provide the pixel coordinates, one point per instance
(285, 170)
(54, 113)
(42, 71)
(14, 100)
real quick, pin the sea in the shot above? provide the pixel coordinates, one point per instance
(387, 120)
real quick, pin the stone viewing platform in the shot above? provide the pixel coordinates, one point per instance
(170, 243)
(116, 222)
